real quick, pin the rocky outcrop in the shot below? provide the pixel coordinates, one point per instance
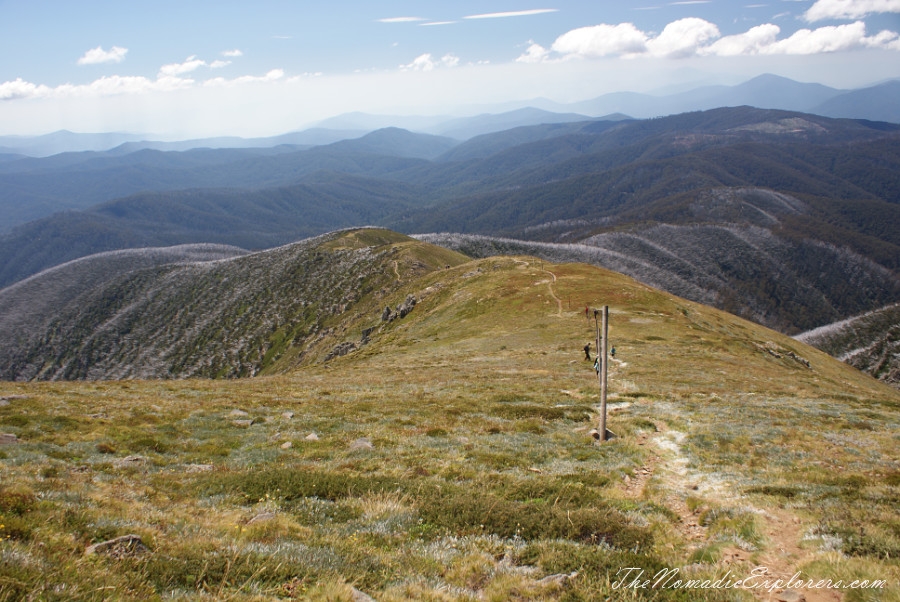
(387, 316)
(121, 547)
(402, 310)
(341, 350)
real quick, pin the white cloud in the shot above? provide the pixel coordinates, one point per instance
(271, 76)
(19, 89)
(683, 38)
(437, 23)
(96, 56)
(696, 37)
(763, 40)
(515, 13)
(232, 53)
(426, 62)
(401, 19)
(117, 85)
(534, 54)
(833, 39)
(191, 63)
(423, 62)
(113, 85)
(849, 9)
(888, 40)
(219, 64)
(753, 42)
(601, 40)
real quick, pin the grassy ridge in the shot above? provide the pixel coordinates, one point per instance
(451, 459)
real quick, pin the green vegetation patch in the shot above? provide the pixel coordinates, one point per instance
(503, 506)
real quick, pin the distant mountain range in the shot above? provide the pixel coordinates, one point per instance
(121, 144)
(876, 103)
(789, 219)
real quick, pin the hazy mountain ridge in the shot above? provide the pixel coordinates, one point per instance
(249, 219)
(876, 103)
(226, 318)
(799, 187)
(80, 181)
(65, 142)
(36, 187)
(850, 185)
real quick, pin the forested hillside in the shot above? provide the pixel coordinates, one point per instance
(869, 342)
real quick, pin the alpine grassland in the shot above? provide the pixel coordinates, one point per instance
(445, 454)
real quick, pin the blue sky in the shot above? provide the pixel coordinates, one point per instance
(200, 68)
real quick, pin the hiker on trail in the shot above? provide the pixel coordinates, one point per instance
(612, 352)
(586, 314)
(587, 352)
(597, 365)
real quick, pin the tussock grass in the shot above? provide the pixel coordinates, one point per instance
(478, 477)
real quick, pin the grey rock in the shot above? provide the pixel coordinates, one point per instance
(261, 518)
(362, 443)
(237, 413)
(242, 423)
(198, 468)
(287, 415)
(407, 306)
(559, 579)
(312, 437)
(341, 350)
(120, 547)
(131, 461)
(358, 596)
(8, 439)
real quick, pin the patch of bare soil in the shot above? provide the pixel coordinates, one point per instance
(782, 554)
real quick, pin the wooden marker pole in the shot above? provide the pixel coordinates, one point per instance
(602, 331)
(604, 364)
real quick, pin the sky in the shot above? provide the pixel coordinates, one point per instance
(196, 68)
